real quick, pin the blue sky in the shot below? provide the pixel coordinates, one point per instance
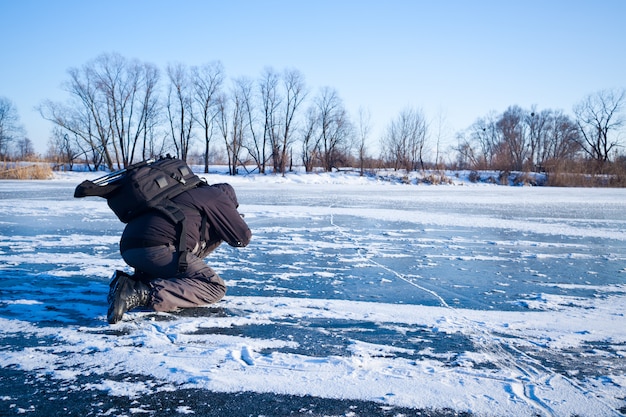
(455, 60)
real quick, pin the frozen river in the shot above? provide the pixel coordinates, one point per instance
(354, 298)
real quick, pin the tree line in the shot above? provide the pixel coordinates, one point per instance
(548, 140)
(120, 110)
(117, 114)
(13, 142)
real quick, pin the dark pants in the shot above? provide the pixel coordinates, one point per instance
(158, 265)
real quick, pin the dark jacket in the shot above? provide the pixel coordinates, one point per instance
(218, 203)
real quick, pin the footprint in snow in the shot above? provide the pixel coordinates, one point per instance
(244, 356)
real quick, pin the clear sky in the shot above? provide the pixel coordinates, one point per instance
(455, 60)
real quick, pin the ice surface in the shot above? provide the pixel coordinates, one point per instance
(487, 300)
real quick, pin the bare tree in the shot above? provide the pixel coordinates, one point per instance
(117, 84)
(224, 124)
(246, 119)
(295, 93)
(405, 139)
(232, 121)
(485, 134)
(310, 139)
(441, 132)
(180, 108)
(536, 123)
(599, 117)
(10, 127)
(83, 117)
(270, 100)
(111, 107)
(563, 141)
(553, 137)
(364, 127)
(126, 89)
(207, 83)
(465, 153)
(150, 114)
(335, 128)
(25, 149)
(513, 147)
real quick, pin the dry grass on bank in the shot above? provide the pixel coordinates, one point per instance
(586, 180)
(569, 176)
(12, 171)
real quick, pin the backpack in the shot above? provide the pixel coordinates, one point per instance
(144, 186)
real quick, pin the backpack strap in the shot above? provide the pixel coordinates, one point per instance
(204, 236)
(176, 215)
(182, 248)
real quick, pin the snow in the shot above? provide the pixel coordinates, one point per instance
(482, 299)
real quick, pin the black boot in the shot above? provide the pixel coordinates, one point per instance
(113, 284)
(127, 294)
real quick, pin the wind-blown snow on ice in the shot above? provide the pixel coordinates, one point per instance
(483, 299)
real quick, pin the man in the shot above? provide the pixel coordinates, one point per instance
(149, 245)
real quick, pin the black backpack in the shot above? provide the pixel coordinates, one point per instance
(144, 186)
